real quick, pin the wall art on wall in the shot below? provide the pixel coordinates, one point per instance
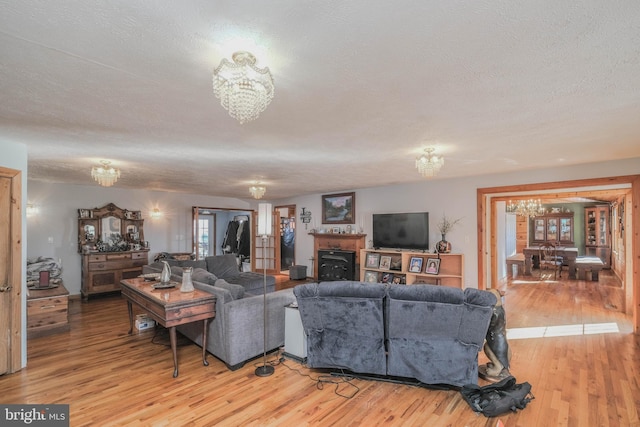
(339, 208)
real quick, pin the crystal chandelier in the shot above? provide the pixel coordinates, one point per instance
(429, 164)
(257, 191)
(529, 208)
(243, 89)
(105, 175)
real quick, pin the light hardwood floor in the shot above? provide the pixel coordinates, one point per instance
(110, 378)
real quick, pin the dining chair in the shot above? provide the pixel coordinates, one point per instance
(549, 260)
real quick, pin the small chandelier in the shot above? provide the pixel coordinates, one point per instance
(529, 208)
(243, 89)
(105, 175)
(429, 164)
(257, 191)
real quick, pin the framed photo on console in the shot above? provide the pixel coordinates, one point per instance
(433, 266)
(385, 262)
(373, 261)
(416, 264)
(371, 276)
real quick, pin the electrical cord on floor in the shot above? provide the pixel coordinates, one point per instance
(321, 380)
(272, 362)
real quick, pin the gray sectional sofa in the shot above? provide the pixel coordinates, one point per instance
(429, 333)
(236, 332)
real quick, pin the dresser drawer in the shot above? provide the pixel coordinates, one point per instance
(47, 315)
(96, 258)
(117, 257)
(139, 255)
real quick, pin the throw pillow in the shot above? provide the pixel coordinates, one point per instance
(203, 276)
(237, 291)
(177, 270)
(224, 266)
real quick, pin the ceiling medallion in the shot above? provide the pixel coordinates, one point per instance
(244, 90)
(105, 175)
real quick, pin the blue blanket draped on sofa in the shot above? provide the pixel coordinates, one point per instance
(429, 333)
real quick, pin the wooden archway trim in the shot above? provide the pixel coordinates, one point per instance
(15, 268)
(484, 212)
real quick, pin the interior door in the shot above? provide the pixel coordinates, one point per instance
(287, 231)
(10, 270)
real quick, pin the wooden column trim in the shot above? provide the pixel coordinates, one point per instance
(15, 267)
(485, 251)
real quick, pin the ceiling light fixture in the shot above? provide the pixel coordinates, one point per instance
(105, 175)
(243, 89)
(529, 208)
(257, 191)
(429, 164)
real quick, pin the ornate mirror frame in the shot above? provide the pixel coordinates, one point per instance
(110, 229)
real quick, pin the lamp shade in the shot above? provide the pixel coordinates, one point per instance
(264, 219)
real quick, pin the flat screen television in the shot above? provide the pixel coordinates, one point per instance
(401, 231)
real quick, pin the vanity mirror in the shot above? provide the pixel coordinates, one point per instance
(109, 229)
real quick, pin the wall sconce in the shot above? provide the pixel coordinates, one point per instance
(32, 209)
(155, 213)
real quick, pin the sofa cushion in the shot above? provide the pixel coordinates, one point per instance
(223, 266)
(253, 282)
(202, 275)
(237, 291)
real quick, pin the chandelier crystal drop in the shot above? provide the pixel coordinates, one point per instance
(105, 175)
(429, 164)
(244, 90)
(528, 208)
(257, 191)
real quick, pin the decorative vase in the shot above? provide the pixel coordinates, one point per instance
(443, 246)
(165, 276)
(187, 284)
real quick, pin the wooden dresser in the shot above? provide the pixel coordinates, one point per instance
(343, 242)
(103, 271)
(47, 311)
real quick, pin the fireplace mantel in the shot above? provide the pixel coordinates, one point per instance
(344, 242)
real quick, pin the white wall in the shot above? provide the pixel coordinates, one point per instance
(58, 204)
(454, 197)
(53, 232)
(14, 156)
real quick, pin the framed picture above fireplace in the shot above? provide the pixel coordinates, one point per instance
(339, 208)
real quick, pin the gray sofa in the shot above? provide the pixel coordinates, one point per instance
(424, 332)
(236, 332)
(225, 267)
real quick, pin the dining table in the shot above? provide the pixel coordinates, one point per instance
(568, 254)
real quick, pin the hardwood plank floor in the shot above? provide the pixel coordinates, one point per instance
(580, 376)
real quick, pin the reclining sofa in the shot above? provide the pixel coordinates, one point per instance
(424, 332)
(236, 332)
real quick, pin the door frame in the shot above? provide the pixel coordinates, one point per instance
(15, 268)
(290, 208)
(486, 223)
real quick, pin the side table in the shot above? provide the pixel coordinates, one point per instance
(295, 340)
(47, 311)
(170, 308)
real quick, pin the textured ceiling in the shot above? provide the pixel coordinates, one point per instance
(362, 87)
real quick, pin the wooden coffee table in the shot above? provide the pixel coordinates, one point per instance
(170, 308)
